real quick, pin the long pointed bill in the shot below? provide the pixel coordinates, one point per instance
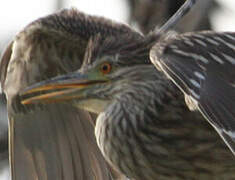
(60, 88)
(185, 8)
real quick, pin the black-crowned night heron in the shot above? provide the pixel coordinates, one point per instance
(144, 128)
(53, 141)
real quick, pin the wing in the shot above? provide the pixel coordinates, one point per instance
(3, 131)
(202, 65)
(52, 141)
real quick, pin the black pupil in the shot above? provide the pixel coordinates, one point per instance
(105, 67)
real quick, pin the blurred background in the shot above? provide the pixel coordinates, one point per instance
(143, 15)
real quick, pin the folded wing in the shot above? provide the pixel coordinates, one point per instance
(202, 65)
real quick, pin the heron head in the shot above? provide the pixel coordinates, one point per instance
(110, 67)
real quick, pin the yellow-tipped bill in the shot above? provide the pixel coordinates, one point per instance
(57, 89)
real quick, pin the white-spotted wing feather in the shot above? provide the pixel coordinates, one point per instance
(205, 74)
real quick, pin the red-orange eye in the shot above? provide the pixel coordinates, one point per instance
(105, 68)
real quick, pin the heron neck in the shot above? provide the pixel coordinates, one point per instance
(145, 93)
(134, 111)
(140, 103)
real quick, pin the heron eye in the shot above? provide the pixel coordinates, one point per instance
(106, 68)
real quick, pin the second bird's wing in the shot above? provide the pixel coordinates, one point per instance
(202, 65)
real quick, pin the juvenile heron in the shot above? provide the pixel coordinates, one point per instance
(144, 129)
(53, 141)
